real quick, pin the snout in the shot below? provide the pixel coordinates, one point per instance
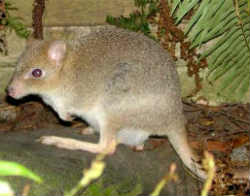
(15, 90)
(11, 91)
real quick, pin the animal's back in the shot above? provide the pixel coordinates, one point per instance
(140, 85)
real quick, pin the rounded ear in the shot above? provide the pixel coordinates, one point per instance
(57, 50)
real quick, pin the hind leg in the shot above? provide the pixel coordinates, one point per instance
(107, 142)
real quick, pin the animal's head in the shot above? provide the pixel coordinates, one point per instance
(38, 69)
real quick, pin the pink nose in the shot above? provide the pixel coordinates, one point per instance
(11, 91)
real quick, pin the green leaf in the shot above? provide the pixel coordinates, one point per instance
(214, 24)
(229, 64)
(184, 7)
(232, 79)
(237, 80)
(245, 84)
(230, 49)
(174, 6)
(14, 169)
(219, 44)
(137, 190)
(195, 18)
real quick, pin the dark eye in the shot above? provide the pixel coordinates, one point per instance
(37, 73)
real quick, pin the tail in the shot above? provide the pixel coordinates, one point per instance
(178, 139)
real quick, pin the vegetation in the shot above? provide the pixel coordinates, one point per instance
(83, 187)
(9, 23)
(139, 20)
(8, 168)
(13, 22)
(94, 172)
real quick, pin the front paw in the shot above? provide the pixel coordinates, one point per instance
(59, 142)
(52, 140)
(49, 140)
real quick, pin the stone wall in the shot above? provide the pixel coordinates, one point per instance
(75, 12)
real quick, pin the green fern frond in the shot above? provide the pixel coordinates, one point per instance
(229, 57)
(180, 8)
(215, 19)
(232, 58)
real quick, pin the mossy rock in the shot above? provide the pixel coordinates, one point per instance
(126, 173)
